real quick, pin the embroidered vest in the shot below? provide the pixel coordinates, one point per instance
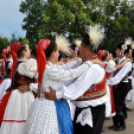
(95, 91)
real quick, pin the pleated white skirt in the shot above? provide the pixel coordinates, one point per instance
(16, 112)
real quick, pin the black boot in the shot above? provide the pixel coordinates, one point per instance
(128, 109)
(115, 121)
(124, 110)
(122, 123)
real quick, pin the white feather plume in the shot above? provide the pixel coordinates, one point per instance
(62, 43)
(128, 41)
(78, 42)
(96, 35)
(132, 46)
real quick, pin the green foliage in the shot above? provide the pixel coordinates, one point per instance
(32, 9)
(44, 18)
(66, 17)
(3, 43)
(118, 23)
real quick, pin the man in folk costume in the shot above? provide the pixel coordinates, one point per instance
(6, 83)
(120, 90)
(130, 95)
(128, 54)
(88, 91)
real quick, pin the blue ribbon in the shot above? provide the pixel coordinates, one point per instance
(65, 122)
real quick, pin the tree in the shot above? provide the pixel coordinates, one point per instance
(68, 17)
(32, 46)
(117, 19)
(32, 9)
(3, 43)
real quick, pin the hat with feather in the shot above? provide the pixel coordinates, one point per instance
(94, 36)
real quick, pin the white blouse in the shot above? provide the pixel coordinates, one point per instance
(121, 74)
(56, 75)
(28, 68)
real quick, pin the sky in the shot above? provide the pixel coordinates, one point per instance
(11, 19)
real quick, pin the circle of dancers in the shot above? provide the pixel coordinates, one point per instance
(43, 93)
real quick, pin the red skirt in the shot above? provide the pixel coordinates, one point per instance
(112, 100)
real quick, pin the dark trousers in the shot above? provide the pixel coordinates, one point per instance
(120, 94)
(129, 87)
(98, 114)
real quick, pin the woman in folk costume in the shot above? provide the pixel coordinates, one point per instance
(104, 56)
(45, 116)
(7, 70)
(110, 67)
(15, 105)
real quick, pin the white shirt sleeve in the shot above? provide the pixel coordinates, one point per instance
(60, 74)
(72, 64)
(81, 85)
(28, 68)
(110, 66)
(120, 75)
(34, 87)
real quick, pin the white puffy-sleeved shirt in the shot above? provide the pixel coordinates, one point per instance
(111, 66)
(29, 68)
(56, 75)
(34, 86)
(121, 74)
(93, 75)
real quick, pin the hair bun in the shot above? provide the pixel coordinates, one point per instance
(44, 42)
(102, 53)
(15, 46)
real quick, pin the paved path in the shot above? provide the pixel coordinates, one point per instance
(129, 124)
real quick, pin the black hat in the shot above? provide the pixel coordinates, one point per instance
(86, 39)
(73, 46)
(120, 45)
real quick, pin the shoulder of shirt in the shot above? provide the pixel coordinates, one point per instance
(96, 67)
(51, 68)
